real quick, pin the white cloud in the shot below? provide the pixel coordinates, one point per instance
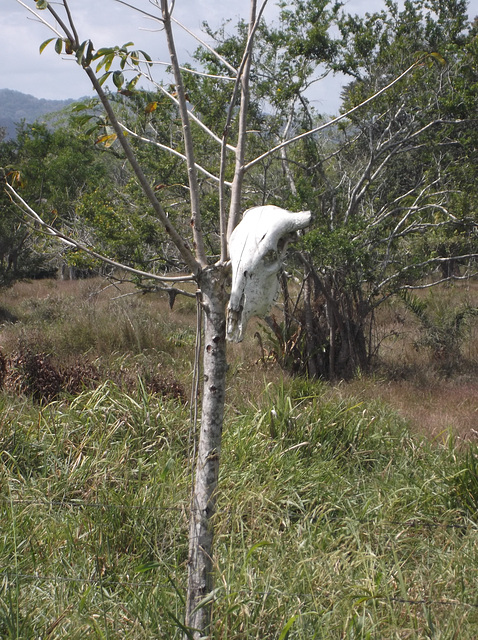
(107, 23)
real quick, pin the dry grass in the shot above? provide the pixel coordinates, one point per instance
(437, 396)
(435, 409)
(138, 334)
(86, 325)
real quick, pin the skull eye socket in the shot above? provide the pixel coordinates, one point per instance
(270, 257)
(284, 241)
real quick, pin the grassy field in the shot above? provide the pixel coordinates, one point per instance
(345, 511)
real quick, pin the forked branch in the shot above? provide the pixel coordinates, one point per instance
(342, 116)
(187, 137)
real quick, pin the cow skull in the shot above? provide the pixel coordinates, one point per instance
(257, 247)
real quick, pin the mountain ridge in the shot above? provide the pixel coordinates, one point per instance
(16, 106)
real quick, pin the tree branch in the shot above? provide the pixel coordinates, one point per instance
(333, 121)
(42, 20)
(71, 242)
(209, 48)
(188, 141)
(419, 265)
(242, 81)
(191, 115)
(145, 13)
(193, 72)
(172, 152)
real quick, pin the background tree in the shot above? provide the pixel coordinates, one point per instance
(55, 167)
(21, 255)
(395, 209)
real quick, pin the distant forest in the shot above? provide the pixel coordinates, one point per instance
(16, 106)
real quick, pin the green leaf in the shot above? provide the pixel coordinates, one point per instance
(108, 61)
(92, 130)
(132, 83)
(258, 545)
(147, 566)
(41, 4)
(118, 79)
(210, 597)
(105, 51)
(80, 52)
(286, 629)
(187, 631)
(80, 106)
(146, 57)
(83, 601)
(84, 53)
(58, 45)
(89, 54)
(104, 77)
(45, 44)
(82, 120)
(439, 58)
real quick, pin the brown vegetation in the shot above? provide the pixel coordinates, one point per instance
(68, 336)
(65, 336)
(436, 390)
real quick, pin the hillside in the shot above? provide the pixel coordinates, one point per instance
(16, 106)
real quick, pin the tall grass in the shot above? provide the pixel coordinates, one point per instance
(335, 519)
(97, 493)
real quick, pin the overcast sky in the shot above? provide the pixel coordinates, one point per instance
(107, 23)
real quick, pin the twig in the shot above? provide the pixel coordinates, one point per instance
(51, 231)
(333, 121)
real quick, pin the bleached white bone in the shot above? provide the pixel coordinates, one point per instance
(257, 248)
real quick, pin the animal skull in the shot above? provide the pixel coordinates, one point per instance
(257, 247)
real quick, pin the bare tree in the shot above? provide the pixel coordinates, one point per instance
(210, 277)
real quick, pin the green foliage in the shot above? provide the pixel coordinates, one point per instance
(80, 188)
(333, 519)
(55, 167)
(106, 57)
(90, 542)
(444, 328)
(338, 524)
(20, 255)
(464, 484)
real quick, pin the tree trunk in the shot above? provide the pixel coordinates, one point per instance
(311, 346)
(201, 533)
(331, 323)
